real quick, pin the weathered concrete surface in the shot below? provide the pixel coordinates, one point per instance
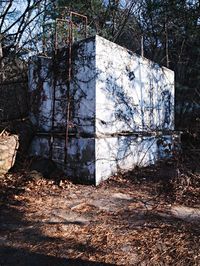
(48, 82)
(132, 92)
(123, 153)
(117, 101)
(80, 163)
(92, 160)
(112, 90)
(8, 151)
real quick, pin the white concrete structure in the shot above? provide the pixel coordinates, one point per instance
(118, 100)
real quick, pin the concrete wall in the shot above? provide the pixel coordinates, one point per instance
(123, 153)
(116, 98)
(80, 162)
(47, 75)
(92, 160)
(111, 88)
(83, 92)
(132, 92)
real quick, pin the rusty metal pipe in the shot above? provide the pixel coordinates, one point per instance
(69, 72)
(68, 85)
(82, 16)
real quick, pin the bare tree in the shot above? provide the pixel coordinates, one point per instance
(16, 22)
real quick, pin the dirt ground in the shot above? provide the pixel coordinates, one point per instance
(139, 218)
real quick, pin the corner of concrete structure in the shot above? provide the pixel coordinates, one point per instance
(96, 182)
(102, 144)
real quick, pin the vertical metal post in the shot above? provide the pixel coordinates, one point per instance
(167, 49)
(69, 73)
(54, 89)
(83, 18)
(56, 37)
(166, 42)
(142, 46)
(70, 37)
(86, 22)
(43, 28)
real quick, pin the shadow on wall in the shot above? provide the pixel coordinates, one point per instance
(133, 95)
(114, 95)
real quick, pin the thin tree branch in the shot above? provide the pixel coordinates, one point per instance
(28, 8)
(3, 16)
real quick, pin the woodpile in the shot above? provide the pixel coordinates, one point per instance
(8, 150)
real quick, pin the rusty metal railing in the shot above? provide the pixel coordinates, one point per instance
(66, 39)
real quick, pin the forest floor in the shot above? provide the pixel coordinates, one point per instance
(150, 216)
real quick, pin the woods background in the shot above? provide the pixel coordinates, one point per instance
(170, 31)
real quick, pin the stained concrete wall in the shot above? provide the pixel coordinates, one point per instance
(112, 90)
(132, 92)
(80, 162)
(116, 98)
(123, 153)
(47, 75)
(92, 160)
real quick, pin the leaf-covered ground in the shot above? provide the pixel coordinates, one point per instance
(147, 217)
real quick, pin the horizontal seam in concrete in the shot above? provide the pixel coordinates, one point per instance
(119, 134)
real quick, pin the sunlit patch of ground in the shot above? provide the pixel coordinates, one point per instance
(128, 220)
